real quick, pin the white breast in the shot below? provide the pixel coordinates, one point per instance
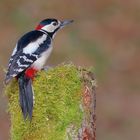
(40, 62)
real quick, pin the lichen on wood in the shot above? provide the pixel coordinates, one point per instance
(59, 106)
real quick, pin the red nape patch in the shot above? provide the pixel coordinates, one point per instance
(39, 27)
(30, 72)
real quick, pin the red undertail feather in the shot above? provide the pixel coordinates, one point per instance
(30, 72)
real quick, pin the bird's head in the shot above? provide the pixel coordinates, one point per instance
(51, 26)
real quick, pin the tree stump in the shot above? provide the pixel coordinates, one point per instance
(64, 106)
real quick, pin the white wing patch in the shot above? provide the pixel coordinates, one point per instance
(33, 46)
(11, 59)
(21, 65)
(18, 70)
(14, 51)
(26, 59)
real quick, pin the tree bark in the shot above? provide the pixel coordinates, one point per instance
(88, 129)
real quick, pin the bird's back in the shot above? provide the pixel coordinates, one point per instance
(26, 52)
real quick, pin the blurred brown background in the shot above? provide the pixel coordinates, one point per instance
(106, 35)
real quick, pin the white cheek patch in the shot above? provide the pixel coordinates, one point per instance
(50, 28)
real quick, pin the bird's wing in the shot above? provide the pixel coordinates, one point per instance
(28, 49)
(23, 42)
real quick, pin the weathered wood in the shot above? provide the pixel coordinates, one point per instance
(88, 129)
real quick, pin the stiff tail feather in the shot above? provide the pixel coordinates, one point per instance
(26, 96)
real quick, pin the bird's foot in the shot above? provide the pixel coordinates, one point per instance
(46, 68)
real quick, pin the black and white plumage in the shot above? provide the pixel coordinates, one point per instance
(29, 56)
(31, 47)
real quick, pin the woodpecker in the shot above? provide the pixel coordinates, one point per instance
(29, 56)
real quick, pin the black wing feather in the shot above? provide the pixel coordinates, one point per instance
(25, 60)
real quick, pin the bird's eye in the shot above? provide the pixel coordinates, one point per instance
(54, 23)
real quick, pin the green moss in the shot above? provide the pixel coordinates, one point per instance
(57, 105)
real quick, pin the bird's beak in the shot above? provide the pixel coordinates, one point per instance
(65, 22)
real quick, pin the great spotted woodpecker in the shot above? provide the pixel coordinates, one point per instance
(29, 56)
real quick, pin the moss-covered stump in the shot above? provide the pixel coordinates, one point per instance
(64, 106)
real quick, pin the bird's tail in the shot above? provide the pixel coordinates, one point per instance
(26, 96)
